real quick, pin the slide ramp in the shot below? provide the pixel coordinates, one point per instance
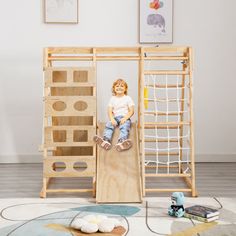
(118, 173)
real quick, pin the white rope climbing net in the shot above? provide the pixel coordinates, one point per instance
(167, 145)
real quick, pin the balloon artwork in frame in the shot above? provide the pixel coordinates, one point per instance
(155, 18)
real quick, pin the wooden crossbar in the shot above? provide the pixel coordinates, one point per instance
(161, 153)
(161, 166)
(164, 86)
(165, 123)
(168, 190)
(164, 100)
(69, 190)
(90, 58)
(165, 49)
(161, 140)
(112, 58)
(174, 58)
(112, 50)
(167, 175)
(163, 113)
(161, 127)
(165, 72)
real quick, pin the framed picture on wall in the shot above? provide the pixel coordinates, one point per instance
(155, 21)
(61, 11)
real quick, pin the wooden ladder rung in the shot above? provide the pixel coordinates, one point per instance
(165, 58)
(165, 100)
(165, 72)
(152, 140)
(164, 49)
(161, 153)
(160, 166)
(69, 190)
(161, 127)
(163, 113)
(164, 86)
(168, 190)
(148, 125)
(166, 175)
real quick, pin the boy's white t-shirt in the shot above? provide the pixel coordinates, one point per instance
(120, 105)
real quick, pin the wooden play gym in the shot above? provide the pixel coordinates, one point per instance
(163, 140)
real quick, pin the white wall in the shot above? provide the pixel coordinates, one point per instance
(209, 26)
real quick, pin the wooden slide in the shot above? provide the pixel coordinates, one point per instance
(118, 173)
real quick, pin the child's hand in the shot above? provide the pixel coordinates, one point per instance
(113, 121)
(122, 121)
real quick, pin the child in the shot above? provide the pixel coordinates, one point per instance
(120, 110)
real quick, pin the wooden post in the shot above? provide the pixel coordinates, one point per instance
(95, 117)
(191, 124)
(182, 110)
(141, 113)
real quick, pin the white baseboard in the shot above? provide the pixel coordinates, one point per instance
(215, 158)
(27, 158)
(37, 158)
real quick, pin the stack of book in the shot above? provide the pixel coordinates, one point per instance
(201, 213)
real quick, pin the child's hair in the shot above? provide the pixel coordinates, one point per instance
(119, 81)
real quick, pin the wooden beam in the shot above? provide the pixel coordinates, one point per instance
(168, 190)
(165, 72)
(161, 153)
(169, 49)
(141, 118)
(160, 166)
(152, 140)
(169, 58)
(164, 86)
(90, 58)
(162, 113)
(166, 175)
(157, 124)
(192, 151)
(69, 190)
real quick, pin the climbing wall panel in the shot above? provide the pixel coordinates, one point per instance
(69, 125)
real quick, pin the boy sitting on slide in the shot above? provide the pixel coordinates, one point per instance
(120, 110)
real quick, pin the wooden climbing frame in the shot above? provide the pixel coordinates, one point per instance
(70, 116)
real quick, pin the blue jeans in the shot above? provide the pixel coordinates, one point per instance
(124, 129)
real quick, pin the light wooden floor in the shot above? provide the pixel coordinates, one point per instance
(25, 181)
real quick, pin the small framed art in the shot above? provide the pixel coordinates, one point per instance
(155, 21)
(61, 11)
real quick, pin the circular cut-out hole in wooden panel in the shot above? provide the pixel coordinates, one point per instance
(59, 106)
(58, 166)
(80, 106)
(80, 166)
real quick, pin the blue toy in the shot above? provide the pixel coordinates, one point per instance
(177, 208)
